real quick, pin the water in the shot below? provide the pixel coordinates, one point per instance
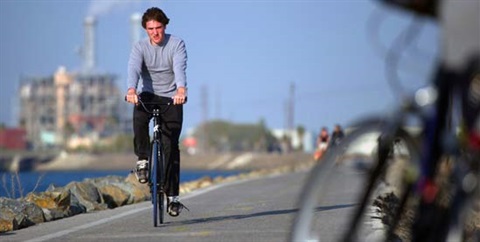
(39, 181)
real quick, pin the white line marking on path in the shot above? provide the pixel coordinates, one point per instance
(86, 226)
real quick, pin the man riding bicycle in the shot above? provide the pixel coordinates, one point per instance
(160, 62)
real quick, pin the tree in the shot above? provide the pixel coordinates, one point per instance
(223, 136)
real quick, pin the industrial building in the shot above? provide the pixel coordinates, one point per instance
(54, 108)
(85, 103)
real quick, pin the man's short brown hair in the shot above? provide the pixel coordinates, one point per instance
(156, 14)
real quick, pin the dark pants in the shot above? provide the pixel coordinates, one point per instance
(171, 126)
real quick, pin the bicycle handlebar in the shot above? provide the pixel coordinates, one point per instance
(153, 103)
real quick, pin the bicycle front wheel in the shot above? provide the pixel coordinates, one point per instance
(339, 201)
(161, 178)
(154, 183)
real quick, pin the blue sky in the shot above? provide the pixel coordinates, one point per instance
(245, 54)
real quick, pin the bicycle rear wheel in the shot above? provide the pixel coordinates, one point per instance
(339, 194)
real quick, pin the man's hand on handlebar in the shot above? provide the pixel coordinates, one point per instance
(181, 96)
(132, 96)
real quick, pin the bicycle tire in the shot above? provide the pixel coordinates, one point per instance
(154, 178)
(161, 194)
(331, 167)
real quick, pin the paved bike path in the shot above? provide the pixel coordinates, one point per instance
(253, 210)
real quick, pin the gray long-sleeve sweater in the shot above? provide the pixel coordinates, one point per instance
(159, 69)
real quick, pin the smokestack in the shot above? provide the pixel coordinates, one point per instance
(89, 48)
(135, 28)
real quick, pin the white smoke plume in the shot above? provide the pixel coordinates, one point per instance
(102, 7)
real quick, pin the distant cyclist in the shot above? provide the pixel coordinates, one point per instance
(337, 135)
(159, 63)
(323, 140)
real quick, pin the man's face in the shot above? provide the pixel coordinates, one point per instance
(155, 31)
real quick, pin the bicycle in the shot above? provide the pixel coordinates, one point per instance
(156, 163)
(410, 184)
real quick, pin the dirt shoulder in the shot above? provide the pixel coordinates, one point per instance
(227, 161)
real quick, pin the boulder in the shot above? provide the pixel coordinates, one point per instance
(204, 182)
(19, 214)
(68, 202)
(56, 204)
(43, 200)
(48, 205)
(65, 200)
(53, 214)
(87, 195)
(113, 190)
(113, 195)
(138, 192)
(8, 222)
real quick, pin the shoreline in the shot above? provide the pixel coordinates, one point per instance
(245, 161)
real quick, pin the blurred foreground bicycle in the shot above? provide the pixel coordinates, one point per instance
(412, 175)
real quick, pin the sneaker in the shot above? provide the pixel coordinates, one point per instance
(141, 171)
(175, 208)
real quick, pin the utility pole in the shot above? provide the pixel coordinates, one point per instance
(291, 108)
(204, 107)
(289, 117)
(204, 103)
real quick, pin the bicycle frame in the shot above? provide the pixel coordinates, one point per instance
(157, 164)
(440, 142)
(156, 179)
